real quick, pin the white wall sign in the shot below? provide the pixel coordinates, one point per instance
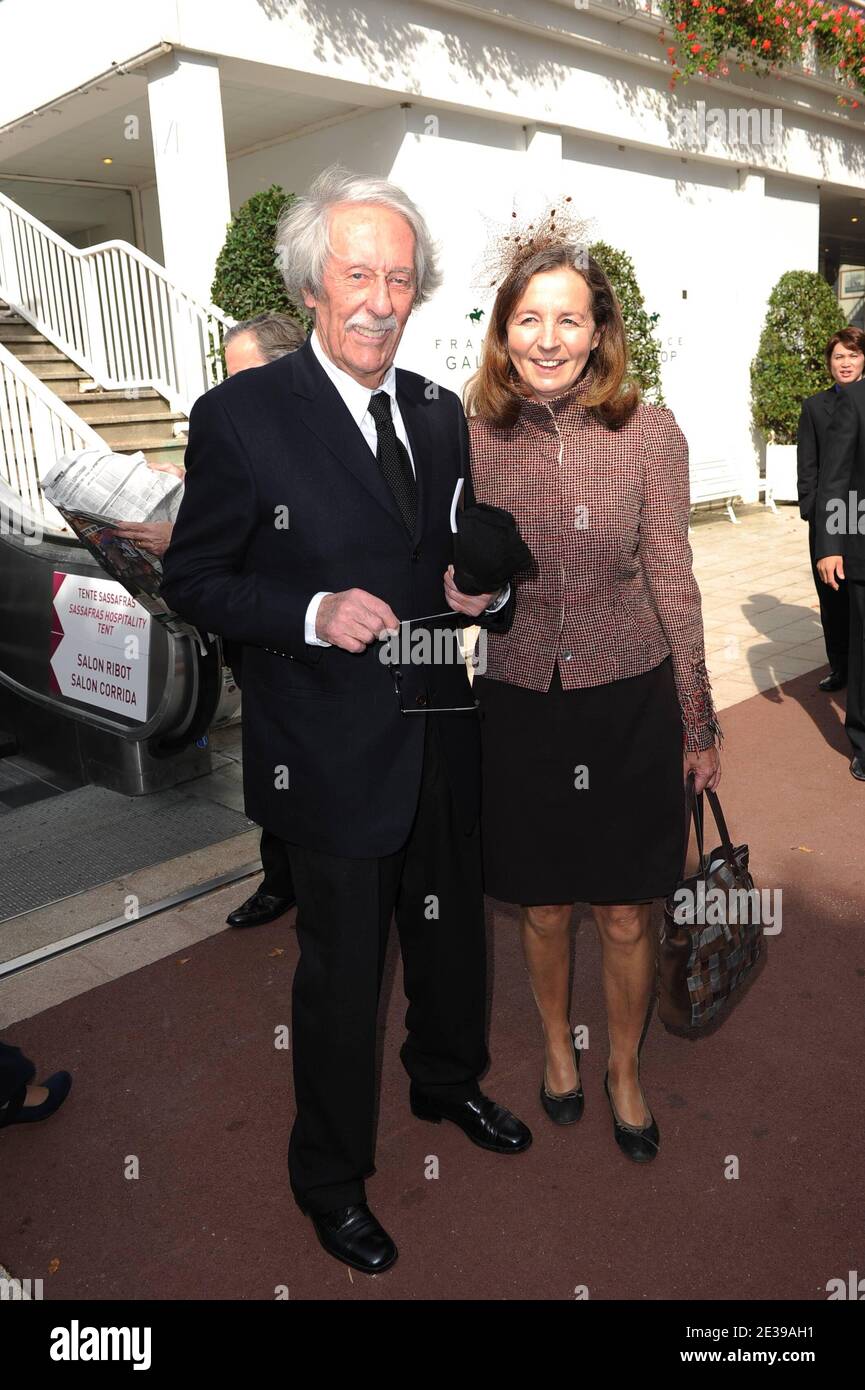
(100, 642)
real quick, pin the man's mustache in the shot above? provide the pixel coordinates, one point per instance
(380, 325)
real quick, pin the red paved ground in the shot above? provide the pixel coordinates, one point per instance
(175, 1063)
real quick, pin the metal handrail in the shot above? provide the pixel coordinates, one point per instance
(111, 309)
(36, 428)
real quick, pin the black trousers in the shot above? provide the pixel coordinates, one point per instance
(834, 613)
(277, 879)
(433, 885)
(855, 720)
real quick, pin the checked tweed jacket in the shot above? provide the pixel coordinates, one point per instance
(610, 592)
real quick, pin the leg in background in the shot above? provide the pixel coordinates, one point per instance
(277, 881)
(855, 719)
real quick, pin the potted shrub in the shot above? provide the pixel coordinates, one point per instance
(246, 280)
(790, 364)
(643, 349)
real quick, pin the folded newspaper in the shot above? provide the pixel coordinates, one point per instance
(93, 490)
(118, 487)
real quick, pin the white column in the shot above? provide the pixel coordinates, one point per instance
(753, 283)
(544, 144)
(540, 185)
(191, 172)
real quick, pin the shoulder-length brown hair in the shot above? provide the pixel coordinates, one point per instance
(496, 391)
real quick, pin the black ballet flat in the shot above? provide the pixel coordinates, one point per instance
(639, 1144)
(565, 1109)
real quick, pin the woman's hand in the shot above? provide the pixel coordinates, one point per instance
(470, 604)
(706, 766)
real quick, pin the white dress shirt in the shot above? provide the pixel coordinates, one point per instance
(357, 399)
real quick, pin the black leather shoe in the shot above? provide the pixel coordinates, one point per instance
(488, 1125)
(564, 1109)
(17, 1113)
(857, 766)
(836, 680)
(353, 1235)
(260, 908)
(639, 1144)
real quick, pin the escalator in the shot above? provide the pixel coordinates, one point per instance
(89, 680)
(108, 716)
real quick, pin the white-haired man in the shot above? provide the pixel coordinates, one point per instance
(334, 475)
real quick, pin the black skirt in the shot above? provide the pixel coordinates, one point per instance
(583, 790)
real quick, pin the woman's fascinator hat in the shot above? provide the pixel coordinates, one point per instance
(527, 232)
(488, 548)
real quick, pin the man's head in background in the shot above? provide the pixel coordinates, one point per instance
(260, 340)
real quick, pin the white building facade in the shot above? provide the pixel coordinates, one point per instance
(475, 110)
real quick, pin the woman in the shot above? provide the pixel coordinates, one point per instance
(845, 361)
(599, 691)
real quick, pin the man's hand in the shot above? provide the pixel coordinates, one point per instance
(473, 605)
(706, 766)
(830, 569)
(162, 466)
(353, 619)
(153, 536)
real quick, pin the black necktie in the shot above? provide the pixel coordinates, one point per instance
(393, 459)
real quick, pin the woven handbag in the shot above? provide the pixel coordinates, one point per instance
(712, 936)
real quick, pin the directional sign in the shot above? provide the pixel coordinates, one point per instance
(100, 642)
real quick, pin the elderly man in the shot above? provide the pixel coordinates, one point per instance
(329, 478)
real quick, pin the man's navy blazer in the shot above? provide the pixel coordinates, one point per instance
(284, 498)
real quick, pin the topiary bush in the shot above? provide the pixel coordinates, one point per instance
(247, 281)
(790, 364)
(643, 347)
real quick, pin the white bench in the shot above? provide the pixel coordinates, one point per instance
(716, 480)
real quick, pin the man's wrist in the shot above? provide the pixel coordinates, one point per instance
(310, 636)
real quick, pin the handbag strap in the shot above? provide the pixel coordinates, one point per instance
(694, 809)
(726, 842)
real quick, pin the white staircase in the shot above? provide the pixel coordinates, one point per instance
(97, 346)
